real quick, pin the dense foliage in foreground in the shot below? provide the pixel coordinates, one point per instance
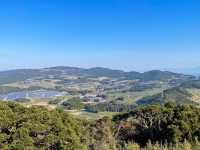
(170, 123)
(37, 128)
(170, 127)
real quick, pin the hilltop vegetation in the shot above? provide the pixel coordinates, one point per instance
(28, 128)
(171, 123)
(38, 128)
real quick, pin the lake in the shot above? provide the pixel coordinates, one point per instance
(38, 94)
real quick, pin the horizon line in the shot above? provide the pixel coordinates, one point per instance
(119, 69)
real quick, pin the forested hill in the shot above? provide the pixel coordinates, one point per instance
(39, 128)
(186, 93)
(23, 74)
(178, 95)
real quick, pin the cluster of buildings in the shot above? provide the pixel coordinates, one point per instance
(98, 97)
(93, 98)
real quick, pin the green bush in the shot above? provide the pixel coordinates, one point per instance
(38, 128)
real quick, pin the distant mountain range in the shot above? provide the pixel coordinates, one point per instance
(149, 87)
(23, 74)
(106, 72)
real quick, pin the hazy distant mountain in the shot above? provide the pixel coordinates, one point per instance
(99, 71)
(66, 69)
(23, 74)
(160, 75)
(18, 75)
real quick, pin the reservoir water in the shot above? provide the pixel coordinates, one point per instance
(38, 94)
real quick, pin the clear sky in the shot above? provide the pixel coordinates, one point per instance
(124, 34)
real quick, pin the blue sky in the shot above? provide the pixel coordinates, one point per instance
(122, 34)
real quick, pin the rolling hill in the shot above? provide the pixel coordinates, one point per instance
(186, 93)
(177, 95)
(23, 74)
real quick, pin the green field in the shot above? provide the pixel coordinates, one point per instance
(132, 97)
(90, 116)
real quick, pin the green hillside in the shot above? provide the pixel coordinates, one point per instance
(181, 95)
(178, 95)
(18, 75)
